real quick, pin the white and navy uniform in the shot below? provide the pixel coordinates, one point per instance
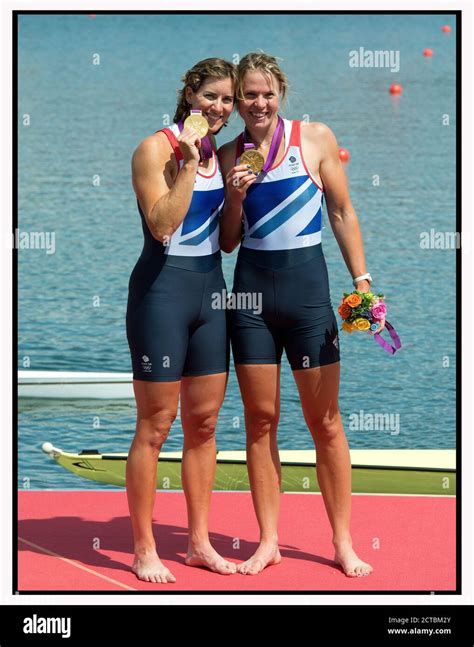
(172, 328)
(281, 259)
(283, 207)
(198, 234)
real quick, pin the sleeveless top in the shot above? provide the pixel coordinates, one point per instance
(283, 208)
(198, 234)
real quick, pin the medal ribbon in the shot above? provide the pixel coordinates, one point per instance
(393, 334)
(274, 146)
(206, 150)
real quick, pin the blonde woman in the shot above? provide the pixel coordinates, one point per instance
(281, 258)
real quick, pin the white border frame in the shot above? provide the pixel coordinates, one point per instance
(6, 319)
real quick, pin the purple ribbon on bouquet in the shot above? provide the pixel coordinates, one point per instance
(206, 150)
(395, 338)
(274, 146)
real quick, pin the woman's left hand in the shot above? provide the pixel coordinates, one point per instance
(364, 286)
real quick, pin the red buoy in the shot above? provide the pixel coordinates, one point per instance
(92, 15)
(344, 155)
(446, 29)
(427, 52)
(395, 88)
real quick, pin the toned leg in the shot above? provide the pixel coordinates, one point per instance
(260, 389)
(157, 404)
(201, 399)
(319, 393)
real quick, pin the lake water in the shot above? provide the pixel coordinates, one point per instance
(86, 119)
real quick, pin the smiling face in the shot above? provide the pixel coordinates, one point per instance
(260, 102)
(215, 99)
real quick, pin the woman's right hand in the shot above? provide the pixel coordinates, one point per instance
(238, 180)
(189, 143)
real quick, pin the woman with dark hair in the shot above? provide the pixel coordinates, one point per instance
(178, 342)
(279, 205)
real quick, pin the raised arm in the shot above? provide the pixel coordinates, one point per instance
(163, 193)
(237, 179)
(342, 216)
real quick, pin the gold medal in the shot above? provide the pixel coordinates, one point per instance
(254, 159)
(198, 123)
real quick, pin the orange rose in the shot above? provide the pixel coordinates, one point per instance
(353, 300)
(344, 310)
(348, 327)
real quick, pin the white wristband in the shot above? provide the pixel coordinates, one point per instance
(363, 277)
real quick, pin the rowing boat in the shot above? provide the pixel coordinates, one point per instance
(75, 385)
(411, 471)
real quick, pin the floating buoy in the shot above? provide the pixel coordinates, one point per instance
(92, 15)
(395, 88)
(446, 29)
(344, 155)
(427, 52)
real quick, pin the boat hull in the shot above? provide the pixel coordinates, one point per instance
(75, 385)
(298, 472)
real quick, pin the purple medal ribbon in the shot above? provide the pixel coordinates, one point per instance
(274, 146)
(206, 150)
(393, 334)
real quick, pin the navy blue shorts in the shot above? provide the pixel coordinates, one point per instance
(173, 330)
(296, 312)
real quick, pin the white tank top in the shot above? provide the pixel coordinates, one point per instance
(198, 234)
(283, 208)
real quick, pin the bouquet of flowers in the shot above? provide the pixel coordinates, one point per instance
(362, 311)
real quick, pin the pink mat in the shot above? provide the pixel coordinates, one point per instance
(82, 541)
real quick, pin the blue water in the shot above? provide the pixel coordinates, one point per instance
(86, 120)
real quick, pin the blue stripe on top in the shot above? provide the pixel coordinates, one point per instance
(285, 214)
(202, 206)
(263, 197)
(205, 233)
(314, 225)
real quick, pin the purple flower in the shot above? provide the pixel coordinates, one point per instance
(379, 310)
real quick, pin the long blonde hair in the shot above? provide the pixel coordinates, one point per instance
(209, 68)
(267, 65)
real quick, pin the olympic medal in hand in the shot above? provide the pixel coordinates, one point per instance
(238, 180)
(254, 159)
(198, 123)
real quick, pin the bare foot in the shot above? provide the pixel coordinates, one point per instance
(148, 567)
(266, 554)
(349, 562)
(205, 555)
